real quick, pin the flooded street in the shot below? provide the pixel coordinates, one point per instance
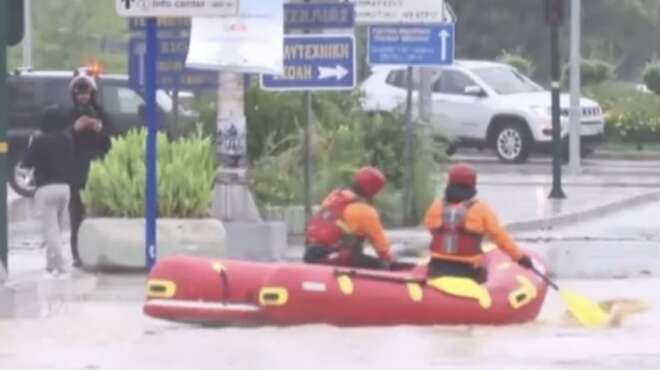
(101, 333)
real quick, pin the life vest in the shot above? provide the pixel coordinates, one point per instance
(326, 227)
(451, 238)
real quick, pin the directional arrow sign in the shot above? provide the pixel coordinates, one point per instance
(315, 62)
(412, 44)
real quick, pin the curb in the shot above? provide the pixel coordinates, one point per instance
(579, 216)
(632, 156)
(28, 297)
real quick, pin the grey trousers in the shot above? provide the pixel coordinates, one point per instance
(52, 203)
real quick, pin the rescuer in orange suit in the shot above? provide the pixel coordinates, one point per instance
(457, 225)
(336, 234)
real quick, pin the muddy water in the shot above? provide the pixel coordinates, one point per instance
(103, 334)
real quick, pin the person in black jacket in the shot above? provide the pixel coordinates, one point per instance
(92, 130)
(51, 155)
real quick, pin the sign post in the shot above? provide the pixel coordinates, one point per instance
(151, 9)
(411, 45)
(315, 62)
(554, 18)
(312, 63)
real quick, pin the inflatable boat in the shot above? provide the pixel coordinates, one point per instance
(228, 292)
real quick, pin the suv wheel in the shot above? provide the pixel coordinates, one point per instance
(22, 180)
(513, 143)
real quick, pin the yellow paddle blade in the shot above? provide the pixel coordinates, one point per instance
(586, 312)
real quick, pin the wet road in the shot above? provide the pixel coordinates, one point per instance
(108, 331)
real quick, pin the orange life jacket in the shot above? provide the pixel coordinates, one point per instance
(451, 238)
(324, 227)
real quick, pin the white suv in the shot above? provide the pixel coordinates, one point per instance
(486, 104)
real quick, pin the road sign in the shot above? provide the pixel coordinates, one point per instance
(171, 71)
(317, 15)
(315, 62)
(412, 45)
(177, 8)
(164, 24)
(400, 11)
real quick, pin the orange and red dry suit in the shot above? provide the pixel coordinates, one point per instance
(343, 223)
(458, 229)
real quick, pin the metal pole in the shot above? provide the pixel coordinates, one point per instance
(27, 36)
(425, 94)
(308, 155)
(307, 100)
(556, 192)
(151, 205)
(3, 135)
(576, 65)
(408, 150)
(175, 111)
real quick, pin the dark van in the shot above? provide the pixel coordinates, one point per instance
(31, 91)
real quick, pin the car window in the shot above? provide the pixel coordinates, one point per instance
(129, 101)
(121, 100)
(23, 94)
(56, 91)
(399, 79)
(506, 80)
(452, 82)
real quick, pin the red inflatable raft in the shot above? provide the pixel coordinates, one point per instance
(225, 292)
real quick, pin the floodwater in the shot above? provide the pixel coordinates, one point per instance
(108, 331)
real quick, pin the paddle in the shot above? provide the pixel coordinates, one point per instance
(377, 275)
(587, 313)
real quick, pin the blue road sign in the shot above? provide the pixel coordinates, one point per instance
(171, 70)
(315, 62)
(412, 44)
(316, 15)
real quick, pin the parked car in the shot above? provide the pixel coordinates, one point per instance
(487, 105)
(32, 91)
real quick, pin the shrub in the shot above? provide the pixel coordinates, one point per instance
(340, 147)
(635, 119)
(518, 61)
(186, 171)
(651, 77)
(593, 72)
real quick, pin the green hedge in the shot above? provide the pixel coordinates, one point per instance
(631, 116)
(186, 170)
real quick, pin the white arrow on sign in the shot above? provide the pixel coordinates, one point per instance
(338, 72)
(444, 36)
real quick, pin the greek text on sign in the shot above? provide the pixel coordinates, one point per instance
(326, 15)
(315, 62)
(171, 71)
(399, 11)
(412, 45)
(177, 8)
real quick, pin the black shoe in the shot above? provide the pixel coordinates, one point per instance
(77, 264)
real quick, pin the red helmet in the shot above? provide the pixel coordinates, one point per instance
(369, 181)
(462, 174)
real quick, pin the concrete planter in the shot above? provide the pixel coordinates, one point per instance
(292, 216)
(118, 243)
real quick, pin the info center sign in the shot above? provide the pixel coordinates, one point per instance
(177, 8)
